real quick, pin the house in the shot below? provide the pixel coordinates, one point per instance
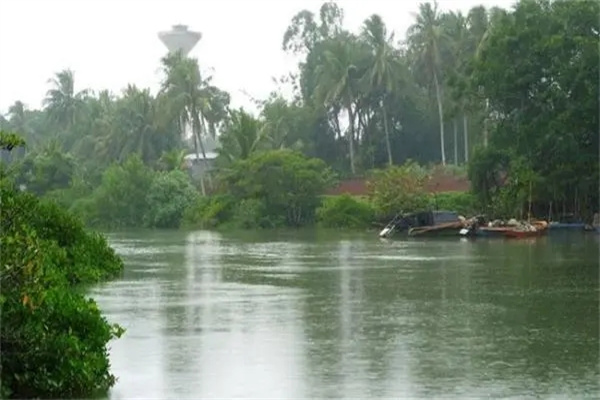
(198, 165)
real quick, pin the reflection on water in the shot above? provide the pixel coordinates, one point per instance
(306, 315)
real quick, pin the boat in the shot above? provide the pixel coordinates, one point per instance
(492, 231)
(444, 229)
(527, 230)
(567, 221)
(425, 223)
(478, 227)
(566, 225)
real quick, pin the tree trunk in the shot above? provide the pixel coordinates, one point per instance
(203, 125)
(455, 126)
(198, 142)
(336, 123)
(367, 137)
(441, 115)
(387, 135)
(466, 136)
(351, 138)
(203, 189)
(485, 124)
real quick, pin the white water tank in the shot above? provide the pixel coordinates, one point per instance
(180, 38)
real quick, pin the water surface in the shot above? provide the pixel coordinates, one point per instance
(324, 314)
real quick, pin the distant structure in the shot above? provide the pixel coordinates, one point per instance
(180, 38)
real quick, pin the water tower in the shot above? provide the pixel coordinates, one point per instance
(180, 38)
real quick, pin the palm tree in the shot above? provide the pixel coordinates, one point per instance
(243, 136)
(62, 102)
(455, 24)
(426, 37)
(172, 160)
(482, 24)
(382, 76)
(214, 108)
(184, 86)
(338, 80)
(136, 125)
(16, 115)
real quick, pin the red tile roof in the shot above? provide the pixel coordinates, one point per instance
(439, 182)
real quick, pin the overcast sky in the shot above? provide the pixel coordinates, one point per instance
(110, 43)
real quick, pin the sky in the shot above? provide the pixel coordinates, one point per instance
(110, 43)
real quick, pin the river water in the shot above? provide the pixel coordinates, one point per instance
(328, 314)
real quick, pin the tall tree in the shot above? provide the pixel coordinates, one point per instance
(184, 85)
(62, 102)
(242, 136)
(425, 37)
(338, 80)
(383, 75)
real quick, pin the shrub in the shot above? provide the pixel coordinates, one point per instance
(209, 212)
(398, 188)
(171, 193)
(345, 211)
(88, 256)
(53, 339)
(464, 203)
(120, 200)
(253, 214)
(288, 183)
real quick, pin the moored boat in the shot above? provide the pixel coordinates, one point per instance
(426, 223)
(527, 230)
(446, 229)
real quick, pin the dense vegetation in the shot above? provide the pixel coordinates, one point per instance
(510, 94)
(53, 338)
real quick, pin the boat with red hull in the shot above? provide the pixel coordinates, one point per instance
(535, 229)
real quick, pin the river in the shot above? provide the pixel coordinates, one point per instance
(328, 314)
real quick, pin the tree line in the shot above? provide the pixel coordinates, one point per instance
(502, 91)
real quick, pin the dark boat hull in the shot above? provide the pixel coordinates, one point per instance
(442, 232)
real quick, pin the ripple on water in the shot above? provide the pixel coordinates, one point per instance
(351, 318)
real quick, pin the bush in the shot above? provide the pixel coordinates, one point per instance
(56, 349)
(171, 193)
(253, 214)
(464, 203)
(209, 212)
(287, 182)
(398, 188)
(88, 256)
(345, 211)
(53, 339)
(120, 200)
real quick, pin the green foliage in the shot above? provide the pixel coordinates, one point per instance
(487, 171)
(287, 182)
(345, 211)
(59, 348)
(120, 200)
(53, 339)
(464, 203)
(243, 136)
(520, 83)
(253, 214)
(539, 69)
(10, 141)
(209, 212)
(169, 196)
(398, 189)
(47, 170)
